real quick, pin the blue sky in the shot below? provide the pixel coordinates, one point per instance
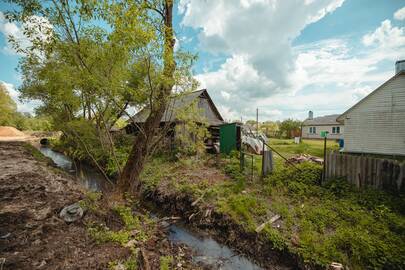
(284, 57)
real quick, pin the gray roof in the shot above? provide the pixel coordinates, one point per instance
(322, 120)
(180, 102)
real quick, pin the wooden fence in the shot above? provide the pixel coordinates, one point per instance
(364, 171)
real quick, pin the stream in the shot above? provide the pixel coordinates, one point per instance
(207, 251)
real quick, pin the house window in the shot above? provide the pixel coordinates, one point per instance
(312, 130)
(336, 130)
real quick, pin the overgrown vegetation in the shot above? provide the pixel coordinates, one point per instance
(132, 230)
(363, 229)
(87, 62)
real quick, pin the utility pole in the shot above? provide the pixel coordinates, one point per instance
(257, 121)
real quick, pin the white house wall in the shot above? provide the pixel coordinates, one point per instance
(319, 128)
(377, 125)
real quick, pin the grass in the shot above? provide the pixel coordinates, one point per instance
(321, 224)
(288, 148)
(36, 153)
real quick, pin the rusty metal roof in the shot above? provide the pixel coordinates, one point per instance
(182, 101)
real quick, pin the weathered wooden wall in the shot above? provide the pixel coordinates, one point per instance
(364, 171)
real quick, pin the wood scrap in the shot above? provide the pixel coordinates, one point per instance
(199, 199)
(144, 259)
(270, 221)
(304, 158)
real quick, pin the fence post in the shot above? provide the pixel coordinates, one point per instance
(324, 161)
(267, 164)
(242, 161)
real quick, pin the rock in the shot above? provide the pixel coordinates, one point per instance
(336, 266)
(164, 224)
(131, 243)
(71, 213)
(119, 266)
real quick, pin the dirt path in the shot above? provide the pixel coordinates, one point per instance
(32, 236)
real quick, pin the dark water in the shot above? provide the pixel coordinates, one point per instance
(87, 176)
(208, 251)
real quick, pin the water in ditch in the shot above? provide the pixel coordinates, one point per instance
(207, 251)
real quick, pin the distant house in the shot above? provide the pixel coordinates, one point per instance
(376, 124)
(312, 127)
(206, 108)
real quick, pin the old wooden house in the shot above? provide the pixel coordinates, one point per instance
(376, 124)
(205, 107)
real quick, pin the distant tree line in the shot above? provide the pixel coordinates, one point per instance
(288, 128)
(9, 115)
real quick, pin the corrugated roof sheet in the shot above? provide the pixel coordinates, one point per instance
(322, 120)
(178, 103)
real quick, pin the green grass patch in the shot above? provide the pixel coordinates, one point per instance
(288, 148)
(166, 262)
(36, 153)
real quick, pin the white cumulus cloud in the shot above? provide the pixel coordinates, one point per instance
(38, 27)
(257, 36)
(263, 69)
(386, 36)
(400, 14)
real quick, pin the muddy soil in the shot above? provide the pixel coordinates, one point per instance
(32, 236)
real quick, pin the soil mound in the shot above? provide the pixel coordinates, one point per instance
(10, 132)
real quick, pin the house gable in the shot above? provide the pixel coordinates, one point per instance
(377, 123)
(371, 95)
(182, 101)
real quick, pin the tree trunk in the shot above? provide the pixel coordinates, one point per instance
(129, 179)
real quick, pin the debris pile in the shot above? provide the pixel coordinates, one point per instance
(304, 158)
(253, 140)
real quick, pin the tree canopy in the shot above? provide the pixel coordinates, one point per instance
(89, 61)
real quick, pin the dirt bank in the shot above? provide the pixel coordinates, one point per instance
(223, 229)
(32, 236)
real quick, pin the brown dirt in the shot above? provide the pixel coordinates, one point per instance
(10, 132)
(32, 236)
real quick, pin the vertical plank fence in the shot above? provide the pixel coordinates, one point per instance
(363, 171)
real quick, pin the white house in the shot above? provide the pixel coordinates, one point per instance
(376, 124)
(312, 127)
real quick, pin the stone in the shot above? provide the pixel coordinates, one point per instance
(336, 266)
(164, 224)
(71, 213)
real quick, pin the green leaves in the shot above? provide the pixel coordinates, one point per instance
(7, 107)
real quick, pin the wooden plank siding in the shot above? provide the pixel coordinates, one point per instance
(364, 171)
(377, 125)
